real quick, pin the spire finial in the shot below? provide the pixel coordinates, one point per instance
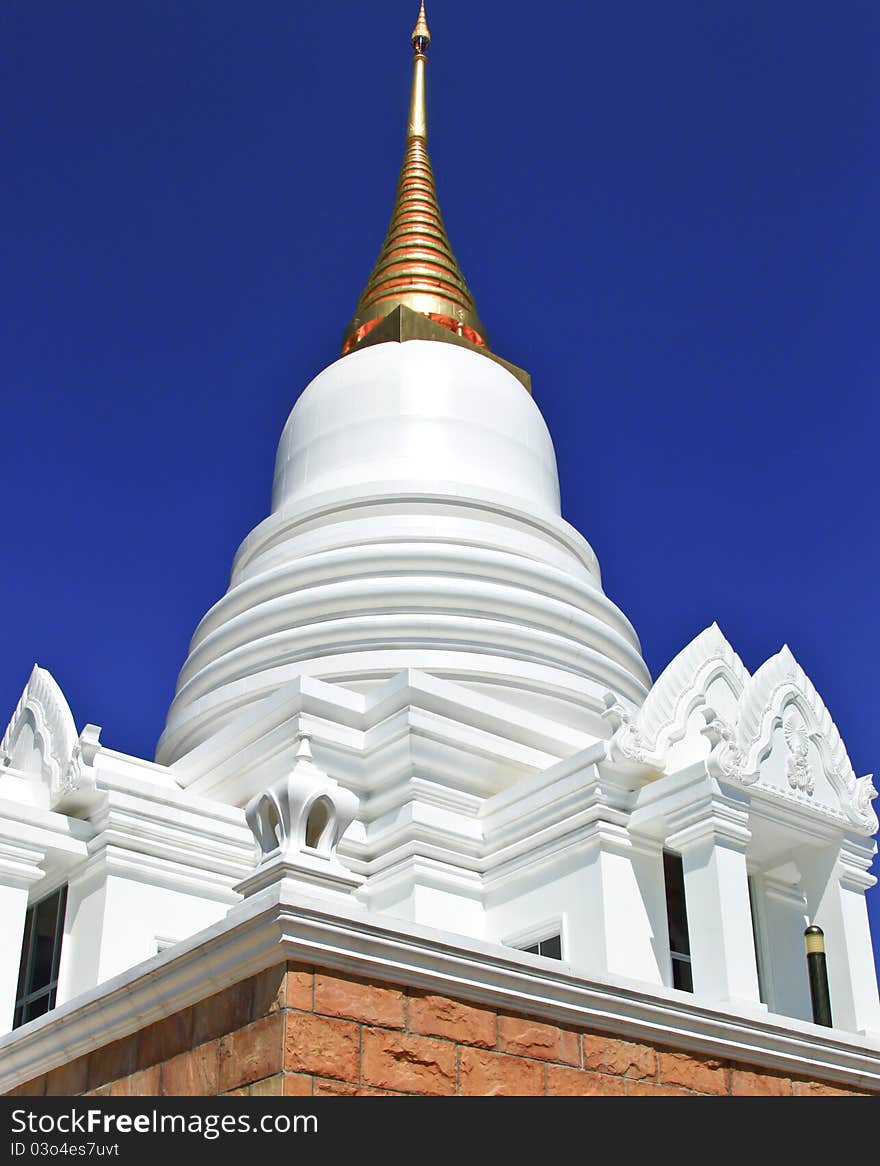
(417, 126)
(416, 268)
(421, 37)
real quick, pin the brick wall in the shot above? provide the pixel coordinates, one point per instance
(301, 1031)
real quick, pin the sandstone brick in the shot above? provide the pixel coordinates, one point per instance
(328, 1088)
(319, 1044)
(530, 1038)
(269, 991)
(68, 1080)
(410, 1064)
(701, 1074)
(565, 1082)
(252, 1052)
(467, 1024)
(359, 999)
(299, 987)
(36, 1087)
(822, 1089)
(113, 1061)
(651, 1089)
(145, 1083)
(222, 1013)
(605, 1054)
(268, 1087)
(165, 1039)
(746, 1083)
(193, 1074)
(487, 1074)
(297, 1085)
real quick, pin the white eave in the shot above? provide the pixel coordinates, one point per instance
(282, 923)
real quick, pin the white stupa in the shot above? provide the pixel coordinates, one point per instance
(488, 756)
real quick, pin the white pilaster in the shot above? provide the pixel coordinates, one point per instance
(835, 881)
(781, 911)
(632, 905)
(713, 850)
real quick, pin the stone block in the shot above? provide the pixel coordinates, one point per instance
(605, 1054)
(406, 1063)
(114, 1061)
(466, 1024)
(748, 1083)
(525, 1037)
(358, 999)
(700, 1074)
(252, 1052)
(487, 1074)
(565, 1082)
(193, 1074)
(68, 1080)
(321, 1046)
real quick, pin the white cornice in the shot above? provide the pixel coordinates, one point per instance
(283, 923)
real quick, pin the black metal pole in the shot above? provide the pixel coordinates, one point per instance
(817, 969)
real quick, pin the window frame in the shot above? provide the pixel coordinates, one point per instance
(25, 994)
(544, 932)
(678, 960)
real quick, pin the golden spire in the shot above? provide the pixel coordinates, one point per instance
(416, 268)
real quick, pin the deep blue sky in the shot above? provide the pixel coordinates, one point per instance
(668, 213)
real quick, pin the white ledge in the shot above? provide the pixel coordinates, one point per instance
(283, 923)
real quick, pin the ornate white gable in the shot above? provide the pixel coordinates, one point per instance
(688, 683)
(707, 671)
(41, 737)
(786, 739)
(771, 730)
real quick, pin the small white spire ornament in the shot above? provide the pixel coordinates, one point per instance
(298, 823)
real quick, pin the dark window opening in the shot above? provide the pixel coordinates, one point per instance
(676, 916)
(40, 957)
(756, 935)
(552, 947)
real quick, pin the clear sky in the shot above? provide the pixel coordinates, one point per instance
(667, 213)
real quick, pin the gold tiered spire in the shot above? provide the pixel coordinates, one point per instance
(416, 268)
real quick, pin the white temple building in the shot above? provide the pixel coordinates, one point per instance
(416, 703)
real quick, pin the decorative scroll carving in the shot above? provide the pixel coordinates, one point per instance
(725, 761)
(77, 790)
(626, 744)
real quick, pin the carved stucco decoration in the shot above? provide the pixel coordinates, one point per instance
(797, 765)
(625, 745)
(77, 790)
(725, 761)
(644, 736)
(683, 687)
(42, 706)
(781, 685)
(779, 695)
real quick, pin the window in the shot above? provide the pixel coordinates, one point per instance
(756, 932)
(552, 947)
(676, 916)
(40, 956)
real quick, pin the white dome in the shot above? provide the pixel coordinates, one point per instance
(418, 414)
(415, 524)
